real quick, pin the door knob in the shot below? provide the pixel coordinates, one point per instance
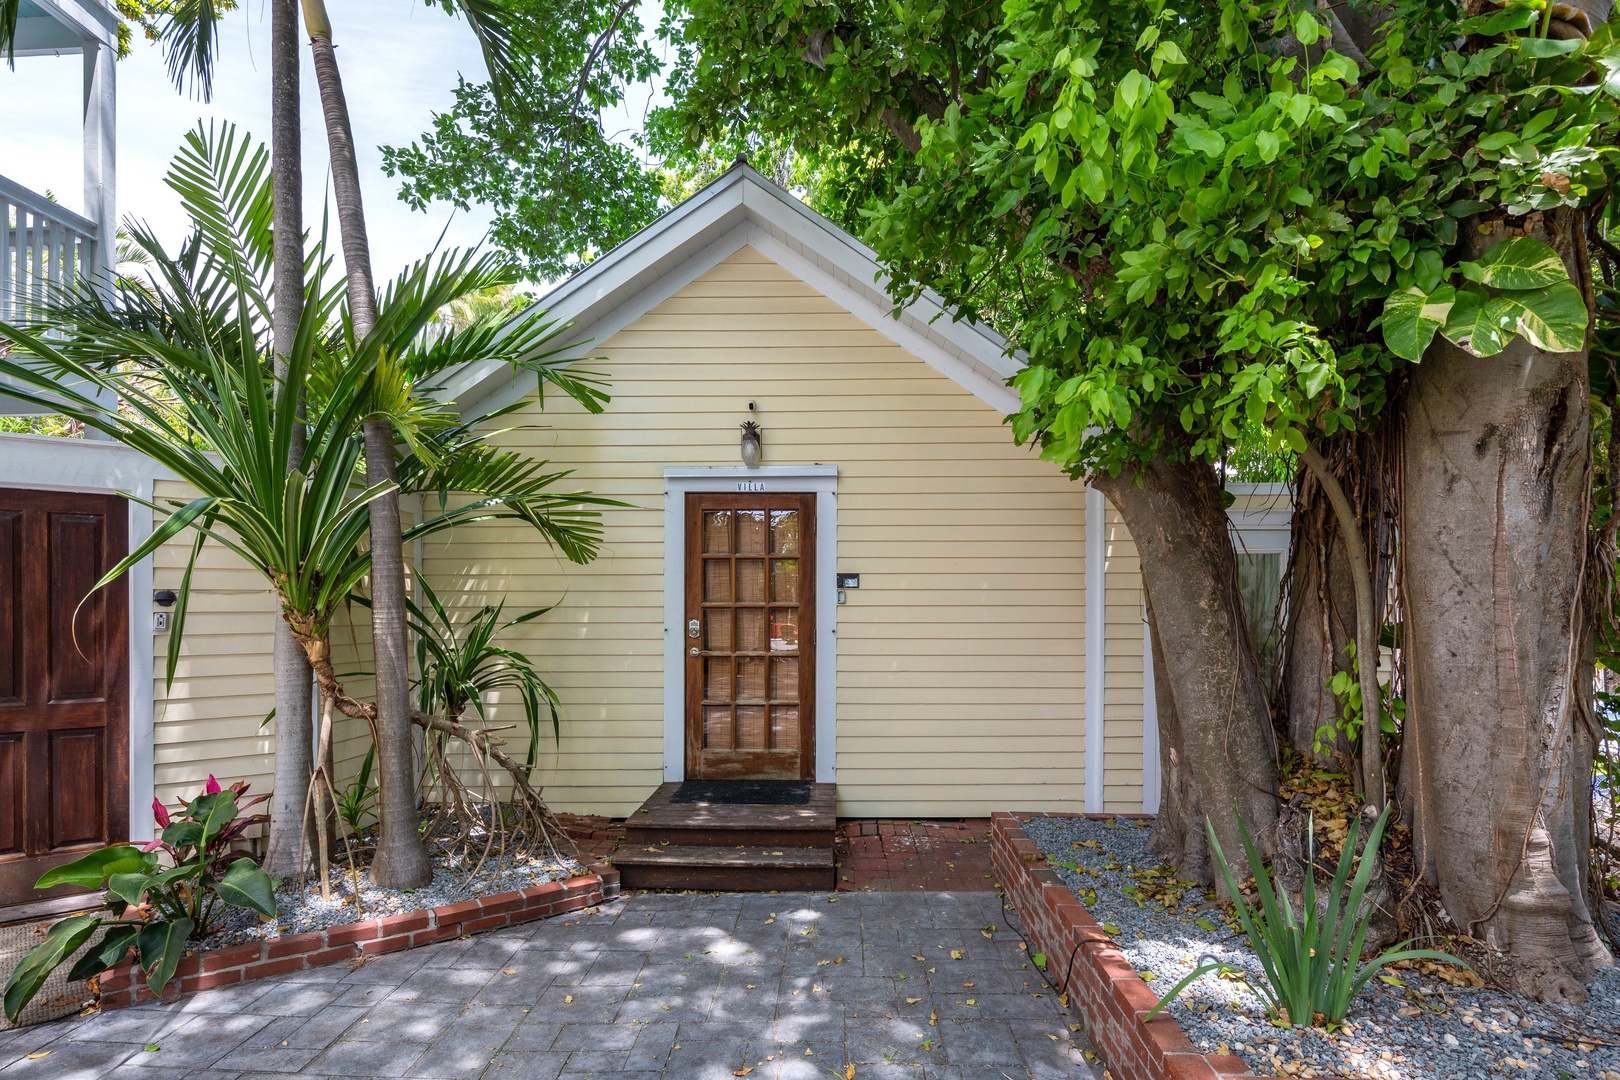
(694, 628)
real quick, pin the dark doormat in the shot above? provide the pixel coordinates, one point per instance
(744, 792)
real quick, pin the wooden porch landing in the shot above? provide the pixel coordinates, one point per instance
(745, 847)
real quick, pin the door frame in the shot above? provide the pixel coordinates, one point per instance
(49, 463)
(679, 481)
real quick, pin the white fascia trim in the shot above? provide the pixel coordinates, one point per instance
(41, 462)
(86, 19)
(678, 482)
(740, 209)
(1096, 656)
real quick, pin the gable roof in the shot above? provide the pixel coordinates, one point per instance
(741, 208)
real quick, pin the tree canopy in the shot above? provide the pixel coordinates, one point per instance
(1190, 218)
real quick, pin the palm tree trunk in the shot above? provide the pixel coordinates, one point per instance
(292, 671)
(401, 860)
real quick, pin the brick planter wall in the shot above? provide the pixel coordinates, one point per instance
(1110, 996)
(124, 984)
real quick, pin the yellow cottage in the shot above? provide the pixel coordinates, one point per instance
(883, 593)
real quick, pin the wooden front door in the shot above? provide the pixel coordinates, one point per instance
(64, 684)
(750, 636)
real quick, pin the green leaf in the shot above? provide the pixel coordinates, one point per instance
(130, 887)
(1553, 318)
(61, 941)
(161, 945)
(1038, 959)
(1267, 143)
(213, 812)
(1520, 263)
(1411, 318)
(1210, 143)
(107, 953)
(182, 834)
(1306, 28)
(1542, 48)
(90, 871)
(246, 885)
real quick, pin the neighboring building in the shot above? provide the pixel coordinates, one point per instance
(897, 600)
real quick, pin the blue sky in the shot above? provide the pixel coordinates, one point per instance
(400, 62)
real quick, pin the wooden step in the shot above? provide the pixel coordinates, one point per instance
(659, 820)
(726, 868)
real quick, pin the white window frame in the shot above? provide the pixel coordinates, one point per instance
(680, 481)
(48, 463)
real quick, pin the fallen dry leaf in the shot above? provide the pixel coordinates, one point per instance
(38, 1055)
(912, 1001)
(933, 1019)
(508, 971)
(744, 1071)
(849, 1073)
(956, 954)
(568, 999)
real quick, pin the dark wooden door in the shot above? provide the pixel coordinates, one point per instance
(64, 683)
(750, 636)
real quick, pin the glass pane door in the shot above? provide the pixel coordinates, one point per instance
(750, 601)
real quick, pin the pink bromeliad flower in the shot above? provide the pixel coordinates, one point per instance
(161, 814)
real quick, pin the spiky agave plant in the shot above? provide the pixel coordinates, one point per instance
(1312, 965)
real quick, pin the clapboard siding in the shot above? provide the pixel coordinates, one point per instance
(212, 719)
(961, 657)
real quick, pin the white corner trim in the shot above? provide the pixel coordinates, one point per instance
(142, 665)
(1150, 724)
(679, 481)
(1096, 656)
(42, 462)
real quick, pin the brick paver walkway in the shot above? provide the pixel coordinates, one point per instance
(914, 856)
(655, 985)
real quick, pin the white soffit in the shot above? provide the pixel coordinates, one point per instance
(743, 209)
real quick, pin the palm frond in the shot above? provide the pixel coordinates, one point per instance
(8, 30)
(190, 38)
(497, 26)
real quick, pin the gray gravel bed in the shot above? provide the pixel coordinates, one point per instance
(1423, 1028)
(302, 911)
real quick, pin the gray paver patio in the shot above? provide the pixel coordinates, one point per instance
(654, 985)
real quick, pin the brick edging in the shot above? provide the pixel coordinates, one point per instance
(1110, 996)
(123, 985)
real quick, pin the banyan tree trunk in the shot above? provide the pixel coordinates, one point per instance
(1497, 464)
(1217, 750)
(1321, 623)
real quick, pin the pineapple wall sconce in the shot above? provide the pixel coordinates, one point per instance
(751, 449)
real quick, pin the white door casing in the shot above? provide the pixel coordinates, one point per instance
(678, 482)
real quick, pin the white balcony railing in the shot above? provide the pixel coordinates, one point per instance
(43, 248)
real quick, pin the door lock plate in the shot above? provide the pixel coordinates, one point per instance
(694, 628)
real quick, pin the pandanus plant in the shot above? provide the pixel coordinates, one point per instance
(187, 355)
